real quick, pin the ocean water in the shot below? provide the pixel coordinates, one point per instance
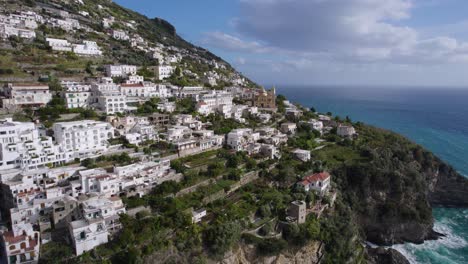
(436, 118)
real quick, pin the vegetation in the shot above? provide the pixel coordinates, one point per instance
(149, 107)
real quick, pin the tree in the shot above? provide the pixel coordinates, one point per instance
(312, 227)
(54, 84)
(220, 237)
(266, 229)
(89, 68)
(264, 210)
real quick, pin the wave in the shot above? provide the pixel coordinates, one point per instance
(443, 250)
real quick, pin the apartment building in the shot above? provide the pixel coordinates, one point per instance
(82, 139)
(26, 95)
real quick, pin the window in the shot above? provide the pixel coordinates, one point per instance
(12, 247)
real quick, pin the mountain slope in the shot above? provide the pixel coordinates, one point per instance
(147, 37)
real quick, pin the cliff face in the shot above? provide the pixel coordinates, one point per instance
(447, 188)
(395, 184)
(245, 254)
(385, 256)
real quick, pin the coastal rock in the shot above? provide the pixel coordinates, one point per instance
(385, 256)
(449, 188)
(246, 254)
(391, 233)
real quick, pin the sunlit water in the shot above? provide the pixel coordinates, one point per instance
(435, 118)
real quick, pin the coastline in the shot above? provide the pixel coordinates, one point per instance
(405, 123)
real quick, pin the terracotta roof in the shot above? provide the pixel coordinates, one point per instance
(316, 177)
(136, 85)
(11, 239)
(30, 84)
(100, 177)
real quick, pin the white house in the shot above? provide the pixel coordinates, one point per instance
(7, 31)
(175, 133)
(120, 70)
(288, 128)
(59, 44)
(22, 147)
(270, 151)
(345, 131)
(301, 154)
(112, 103)
(21, 245)
(87, 234)
(88, 48)
(198, 215)
(220, 101)
(26, 95)
(78, 99)
(319, 182)
(120, 35)
(135, 79)
(164, 71)
(83, 139)
(238, 139)
(167, 107)
(141, 133)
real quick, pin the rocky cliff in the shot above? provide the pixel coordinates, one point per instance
(394, 185)
(244, 254)
(447, 188)
(386, 256)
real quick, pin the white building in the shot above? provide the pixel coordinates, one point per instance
(175, 133)
(135, 79)
(193, 92)
(198, 215)
(141, 133)
(219, 101)
(83, 139)
(319, 182)
(88, 48)
(7, 31)
(22, 147)
(315, 124)
(167, 107)
(67, 24)
(26, 95)
(301, 154)
(120, 35)
(59, 44)
(288, 128)
(78, 99)
(21, 245)
(345, 131)
(120, 70)
(87, 234)
(164, 71)
(112, 103)
(239, 139)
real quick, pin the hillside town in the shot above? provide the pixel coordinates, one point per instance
(81, 153)
(45, 187)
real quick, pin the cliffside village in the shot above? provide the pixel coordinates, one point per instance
(41, 191)
(45, 190)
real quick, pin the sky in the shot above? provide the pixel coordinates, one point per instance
(334, 42)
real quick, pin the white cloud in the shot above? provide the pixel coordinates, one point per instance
(232, 43)
(351, 31)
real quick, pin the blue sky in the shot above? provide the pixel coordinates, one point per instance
(358, 42)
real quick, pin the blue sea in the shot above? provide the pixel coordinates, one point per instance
(436, 118)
